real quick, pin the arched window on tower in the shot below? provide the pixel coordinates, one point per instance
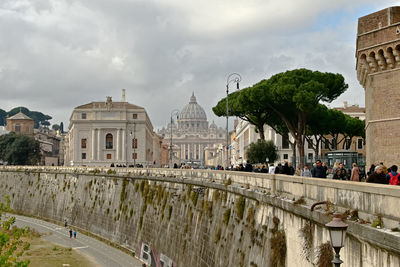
(109, 141)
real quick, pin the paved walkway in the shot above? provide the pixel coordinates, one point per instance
(101, 253)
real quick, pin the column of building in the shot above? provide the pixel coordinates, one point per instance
(123, 133)
(98, 144)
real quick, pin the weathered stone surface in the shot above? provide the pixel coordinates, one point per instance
(378, 70)
(132, 208)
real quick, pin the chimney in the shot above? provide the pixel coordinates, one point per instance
(123, 96)
(345, 104)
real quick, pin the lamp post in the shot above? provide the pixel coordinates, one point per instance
(337, 232)
(173, 112)
(236, 78)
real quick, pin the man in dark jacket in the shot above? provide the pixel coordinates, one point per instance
(286, 169)
(248, 167)
(318, 171)
(378, 176)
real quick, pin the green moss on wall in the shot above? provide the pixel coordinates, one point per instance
(240, 206)
(194, 197)
(227, 216)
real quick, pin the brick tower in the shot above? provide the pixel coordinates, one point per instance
(378, 70)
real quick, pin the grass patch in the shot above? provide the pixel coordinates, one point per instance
(43, 253)
(228, 182)
(378, 222)
(300, 201)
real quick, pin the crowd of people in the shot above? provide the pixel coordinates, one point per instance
(377, 173)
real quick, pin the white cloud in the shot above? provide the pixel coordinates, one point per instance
(58, 54)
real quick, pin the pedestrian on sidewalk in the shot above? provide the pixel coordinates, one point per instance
(74, 233)
(355, 173)
(70, 232)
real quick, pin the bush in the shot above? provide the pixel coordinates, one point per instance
(260, 151)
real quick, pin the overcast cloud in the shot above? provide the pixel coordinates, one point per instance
(58, 54)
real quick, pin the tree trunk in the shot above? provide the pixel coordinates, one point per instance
(261, 132)
(300, 148)
(293, 145)
(316, 150)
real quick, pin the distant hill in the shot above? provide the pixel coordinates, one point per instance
(37, 116)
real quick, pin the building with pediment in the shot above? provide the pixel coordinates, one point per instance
(111, 133)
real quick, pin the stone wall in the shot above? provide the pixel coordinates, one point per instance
(211, 218)
(378, 70)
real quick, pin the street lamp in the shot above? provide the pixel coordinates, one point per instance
(173, 112)
(337, 232)
(236, 78)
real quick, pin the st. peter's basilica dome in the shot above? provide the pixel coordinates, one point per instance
(193, 111)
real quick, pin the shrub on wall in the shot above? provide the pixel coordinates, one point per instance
(278, 245)
(306, 232)
(324, 255)
(240, 205)
(227, 215)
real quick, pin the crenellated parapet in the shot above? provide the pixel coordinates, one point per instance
(378, 70)
(378, 59)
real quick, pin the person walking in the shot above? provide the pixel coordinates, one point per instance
(298, 171)
(286, 169)
(74, 233)
(341, 173)
(271, 169)
(393, 176)
(248, 167)
(355, 173)
(325, 168)
(371, 170)
(378, 176)
(278, 169)
(318, 171)
(70, 233)
(306, 172)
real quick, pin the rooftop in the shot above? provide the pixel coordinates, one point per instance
(103, 105)
(19, 116)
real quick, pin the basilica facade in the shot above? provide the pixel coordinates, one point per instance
(192, 135)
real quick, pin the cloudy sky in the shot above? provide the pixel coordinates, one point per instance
(58, 54)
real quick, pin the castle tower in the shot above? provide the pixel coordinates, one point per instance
(378, 70)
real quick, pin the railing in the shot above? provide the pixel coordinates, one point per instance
(370, 200)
